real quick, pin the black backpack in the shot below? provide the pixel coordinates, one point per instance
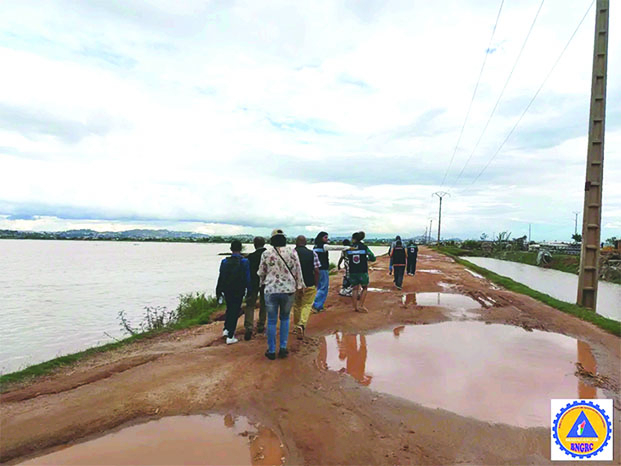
(234, 280)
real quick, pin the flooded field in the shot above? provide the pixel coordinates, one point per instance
(208, 440)
(560, 285)
(495, 373)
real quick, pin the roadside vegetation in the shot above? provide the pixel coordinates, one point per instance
(610, 325)
(193, 309)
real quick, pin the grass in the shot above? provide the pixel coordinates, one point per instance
(193, 309)
(609, 325)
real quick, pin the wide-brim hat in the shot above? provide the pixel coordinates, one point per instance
(277, 231)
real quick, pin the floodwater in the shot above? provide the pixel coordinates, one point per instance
(197, 439)
(560, 285)
(59, 297)
(495, 373)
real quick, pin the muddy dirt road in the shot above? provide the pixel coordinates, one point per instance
(376, 388)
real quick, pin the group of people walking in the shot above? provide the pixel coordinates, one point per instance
(283, 279)
(402, 260)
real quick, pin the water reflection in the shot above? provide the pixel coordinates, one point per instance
(193, 439)
(585, 357)
(497, 373)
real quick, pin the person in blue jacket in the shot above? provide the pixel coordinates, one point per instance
(233, 283)
(321, 240)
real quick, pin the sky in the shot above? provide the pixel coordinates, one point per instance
(229, 117)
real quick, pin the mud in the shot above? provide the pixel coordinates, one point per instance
(324, 416)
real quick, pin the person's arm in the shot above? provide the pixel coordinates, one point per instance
(341, 259)
(389, 252)
(316, 267)
(246, 264)
(220, 284)
(262, 271)
(371, 255)
(297, 272)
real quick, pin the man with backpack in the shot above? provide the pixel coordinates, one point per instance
(256, 291)
(233, 282)
(412, 256)
(398, 257)
(359, 256)
(310, 265)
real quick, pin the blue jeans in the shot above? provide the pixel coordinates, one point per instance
(273, 302)
(322, 289)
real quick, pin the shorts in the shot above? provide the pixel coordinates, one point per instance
(359, 279)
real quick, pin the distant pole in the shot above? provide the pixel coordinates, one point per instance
(576, 223)
(430, 223)
(440, 195)
(592, 210)
(529, 232)
(425, 235)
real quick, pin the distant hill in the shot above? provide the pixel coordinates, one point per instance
(86, 234)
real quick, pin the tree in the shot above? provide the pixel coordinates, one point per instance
(577, 237)
(483, 236)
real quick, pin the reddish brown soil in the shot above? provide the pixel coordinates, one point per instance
(322, 417)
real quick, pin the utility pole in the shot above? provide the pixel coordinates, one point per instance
(425, 235)
(529, 233)
(592, 210)
(576, 223)
(430, 223)
(440, 195)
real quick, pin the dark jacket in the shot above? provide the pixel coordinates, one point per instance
(234, 278)
(255, 259)
(307, 261)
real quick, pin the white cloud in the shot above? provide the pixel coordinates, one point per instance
(248, 115)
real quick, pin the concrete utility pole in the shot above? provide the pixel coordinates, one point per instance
(592, 210)
(440, 195)
(529, 233)
(430, 223)
(576, 223)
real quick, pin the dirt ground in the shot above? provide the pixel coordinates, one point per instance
(321, 416)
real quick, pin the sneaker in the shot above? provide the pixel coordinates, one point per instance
(225, 333)
(398, 287)
(231, 341)
(248, 335)
(269, 355)
(314, 310)
(283, 353)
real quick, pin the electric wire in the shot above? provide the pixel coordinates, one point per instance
(461, 132)
(489, 119)
(536, 94)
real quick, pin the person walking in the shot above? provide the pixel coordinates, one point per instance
(346, 287)
(321, 240)
(310, 265)
(398, 256)
(392, 246)
(233, 283)
(359, 256)
(256, 292)
(281, 274)
(412, 251)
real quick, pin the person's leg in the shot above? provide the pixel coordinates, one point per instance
(297, 306)
(271, 306)
(307, 302)
(286, 301)
(414, 264)
(363, 296)
(322, 290)
(399, 275)
(390, 267)
(251, 303)
(354, 297)
(233, 306)
(262, 311)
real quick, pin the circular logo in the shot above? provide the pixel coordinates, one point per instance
(356, 259)
(581, 429)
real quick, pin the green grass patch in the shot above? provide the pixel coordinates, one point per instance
(610, 325)
(193, 309)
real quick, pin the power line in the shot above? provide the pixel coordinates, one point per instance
(461, 132)
(489, 119)
(536, 94)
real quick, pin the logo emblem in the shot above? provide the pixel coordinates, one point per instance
(581, 429)
(356, 259)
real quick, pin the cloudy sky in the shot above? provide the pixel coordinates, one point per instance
(232, 116)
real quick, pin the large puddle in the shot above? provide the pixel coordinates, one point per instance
(495, 373)
(209, 440)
